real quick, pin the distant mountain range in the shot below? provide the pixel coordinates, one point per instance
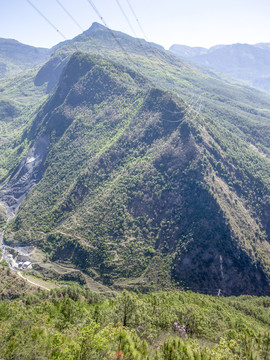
(16, 57)
(140, 170)
(250, 63)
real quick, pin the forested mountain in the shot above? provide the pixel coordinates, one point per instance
(250, 63)
(16, 57)
(139, 169)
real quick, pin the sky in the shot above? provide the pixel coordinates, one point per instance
(188, 22)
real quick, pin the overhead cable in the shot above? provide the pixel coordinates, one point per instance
(136, 18)
(125, 16)
(68, 13)
(131, 27)
(153, 50)
(97, 12)
(110, 31)
(46, 19)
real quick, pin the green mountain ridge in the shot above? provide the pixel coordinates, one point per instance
(16, 57)
(155, 176)
(111, 45)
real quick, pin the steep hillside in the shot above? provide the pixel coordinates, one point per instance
(12, 286)
(111, 45)
(250, 63)
(19, 100)
(152, 173)
(16, 57)
(141, 190)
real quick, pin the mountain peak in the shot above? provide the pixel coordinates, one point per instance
(95, 27)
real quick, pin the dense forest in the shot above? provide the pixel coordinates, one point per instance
(74, 323)
(139, 188)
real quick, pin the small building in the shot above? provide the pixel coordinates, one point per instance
(26, 264)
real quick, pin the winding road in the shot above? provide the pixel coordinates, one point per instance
(32, 282)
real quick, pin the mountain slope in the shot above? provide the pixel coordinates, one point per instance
(157, 174)
(99, 40)
(16, 57)
(19, 99)
(132, 188)
(250, 63)
(187, 51)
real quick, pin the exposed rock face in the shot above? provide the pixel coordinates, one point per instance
(26, 176)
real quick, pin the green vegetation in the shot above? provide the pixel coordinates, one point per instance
(19, 101)
(73, 323)
(237, 60)
(16, 57)
(157, 174)
(113, 202)
(12, 286)
(156, 177)
(3, 217)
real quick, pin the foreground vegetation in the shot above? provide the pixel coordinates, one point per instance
(73, 323)
(11, 285)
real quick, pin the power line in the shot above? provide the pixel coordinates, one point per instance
(118, 42)
(46, 19)
(136, 18)
(207, 291)
(110, 31)
(76, 22)
(68, 13)
(115, 38)
(104, 23)
(131, 27)
(97, 12)
(79, 26)
(153, 50)
(125, 16)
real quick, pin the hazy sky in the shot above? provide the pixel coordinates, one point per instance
(189, 22)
